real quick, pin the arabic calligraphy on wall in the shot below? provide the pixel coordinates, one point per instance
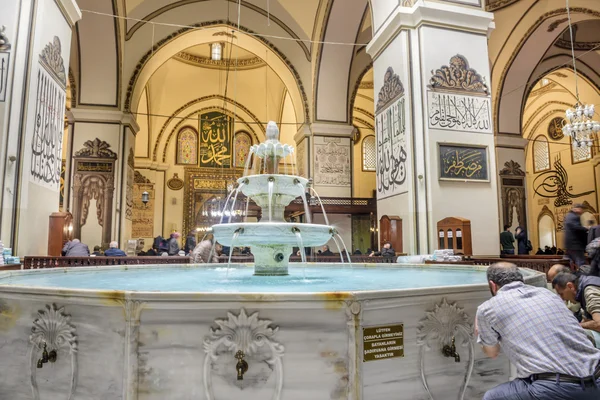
(215, 139)
(46, 142)
(464, 163)
(392, 150)
(555, 184)
(459, 113)
(332, 161)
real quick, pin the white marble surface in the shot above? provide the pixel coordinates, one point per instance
(151, 346)
(272, 233)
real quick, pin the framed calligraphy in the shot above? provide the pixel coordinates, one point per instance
(457, 112)
(392, 150)
(332, 161)
(215, 139)
(463, 163)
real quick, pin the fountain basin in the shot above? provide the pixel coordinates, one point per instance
(267, 233)
(122, 337)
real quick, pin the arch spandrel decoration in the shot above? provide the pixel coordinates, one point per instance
(458, 76)
(187, 146)
(391, 90)
(241, 148)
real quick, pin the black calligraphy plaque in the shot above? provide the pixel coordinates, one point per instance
(215, 139)
(383, 342)
(464, 163)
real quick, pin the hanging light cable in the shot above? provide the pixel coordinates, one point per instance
(580, 125)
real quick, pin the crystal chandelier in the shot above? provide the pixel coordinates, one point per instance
(580, 125)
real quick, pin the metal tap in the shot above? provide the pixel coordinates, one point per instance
(241, 366)
(450, 350)
(47, 357)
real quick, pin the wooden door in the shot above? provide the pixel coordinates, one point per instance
(390, 230)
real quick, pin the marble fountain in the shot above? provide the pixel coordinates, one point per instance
(265, 331)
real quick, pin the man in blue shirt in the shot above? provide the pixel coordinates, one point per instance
(554, 358)
(114, 251)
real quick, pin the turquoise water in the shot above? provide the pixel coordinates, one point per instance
(241, 280)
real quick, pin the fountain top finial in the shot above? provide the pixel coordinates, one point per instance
(272, 131)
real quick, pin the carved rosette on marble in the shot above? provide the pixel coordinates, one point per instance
(437, 330)
(52, 335)
(255, 338)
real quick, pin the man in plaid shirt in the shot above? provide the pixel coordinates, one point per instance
(540, 336)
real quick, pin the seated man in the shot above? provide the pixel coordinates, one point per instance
(553, 357)
(387, 251)
(326, 251)
(114, 251)
(75, 248)
(585, 290)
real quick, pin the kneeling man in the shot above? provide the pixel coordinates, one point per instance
(539, 335)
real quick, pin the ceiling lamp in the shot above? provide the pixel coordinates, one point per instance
(580, 124)
(216, 51)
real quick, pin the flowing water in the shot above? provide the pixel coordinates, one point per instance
(306, 209)
(322, 206)
(271, 183)
(345, 248)
(301, 250)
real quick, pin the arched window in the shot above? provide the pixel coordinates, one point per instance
(187, 146)
(541, 154)
(369, 155)
(241, 148)
(580, 152)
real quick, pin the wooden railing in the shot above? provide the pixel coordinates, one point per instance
(35, 262)
(537, 263)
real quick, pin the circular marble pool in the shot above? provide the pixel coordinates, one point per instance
(186, 332)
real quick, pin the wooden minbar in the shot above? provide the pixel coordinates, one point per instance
(59, 232)
(390, 230)
(454, 233)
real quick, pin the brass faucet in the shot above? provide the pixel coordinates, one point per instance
(241, 366)
(450, 350)
(52, 356)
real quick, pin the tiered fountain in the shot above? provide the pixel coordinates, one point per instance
(272, 239)
(203, 332)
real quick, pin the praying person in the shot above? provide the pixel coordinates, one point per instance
(554, 358)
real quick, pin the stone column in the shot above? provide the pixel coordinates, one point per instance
(331, 172)
(435, 139)
(115, 132)
(33, 70)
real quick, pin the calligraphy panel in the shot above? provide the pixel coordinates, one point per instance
(464, 163)
(48, 130)
(332, 161)
(4, 64)
(142, 223)
(241, 148)
(215, 139)
(459, 113)
(392, 150)
(187, 146)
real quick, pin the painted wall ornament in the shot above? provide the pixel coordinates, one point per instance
(555, 184)
(392, 89)
(458, 76)
(51, 58)
(96, 148)
(175, 183)
(555, 128)
(512, 168)
(446, 325)
(255, 339)
(53, 337)
(139, 178)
